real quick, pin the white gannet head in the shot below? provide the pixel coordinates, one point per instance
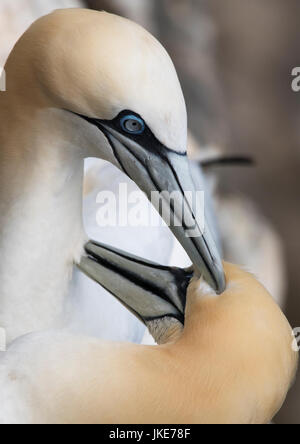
(119, 86)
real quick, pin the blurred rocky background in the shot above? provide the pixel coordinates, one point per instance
(234, 60)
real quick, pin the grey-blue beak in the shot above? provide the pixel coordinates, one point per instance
(150, 291)
(157, 169)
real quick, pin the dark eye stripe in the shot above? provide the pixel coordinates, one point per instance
(132, 124)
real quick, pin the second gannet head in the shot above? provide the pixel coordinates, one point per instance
(232, 364)
(117, 92)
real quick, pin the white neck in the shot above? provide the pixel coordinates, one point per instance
(41, 232)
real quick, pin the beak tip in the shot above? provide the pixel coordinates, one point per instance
(219, 279)
(215, 277)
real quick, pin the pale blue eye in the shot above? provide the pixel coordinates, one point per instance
(132, 124)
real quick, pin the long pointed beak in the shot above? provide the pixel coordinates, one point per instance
(148, 290)
(167, 172)
(157, 169)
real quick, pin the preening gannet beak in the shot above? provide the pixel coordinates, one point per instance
(148, 290)
(155, 168)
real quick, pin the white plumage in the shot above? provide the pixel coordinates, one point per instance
(232, 364)
(94, 311)
(115, 67)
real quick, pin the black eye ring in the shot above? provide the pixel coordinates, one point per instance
(132, 124)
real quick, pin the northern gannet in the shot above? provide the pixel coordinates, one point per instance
(80, 84)
(233, 362)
